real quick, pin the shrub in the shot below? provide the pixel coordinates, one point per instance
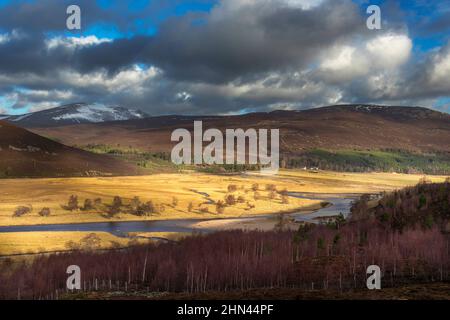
(272, 195)
(241, 199)
(117, 201)
(204, 210)
(161, 208)
(97, 202)
(271, 187)
(136, 206)
(22, 210)
(72, 204)
(88, 205)
(72, 245)
(45, 212)
(230, 200)
(284, 196)
(281, 222)
(190, 206)
(250, 206)
(220, 207)
(91, 241)
(232, 188)
(255, 187)
(116, 206)
(148, 208)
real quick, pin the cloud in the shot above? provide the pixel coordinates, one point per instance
(390, 50)
(236, 41)
(371, 59)
(440, 70)
(240, 55)
(74, 42)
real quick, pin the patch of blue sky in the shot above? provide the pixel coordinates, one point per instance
(442, 104)
(8, 103)
(194, 6)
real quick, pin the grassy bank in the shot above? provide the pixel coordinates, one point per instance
(16, 243)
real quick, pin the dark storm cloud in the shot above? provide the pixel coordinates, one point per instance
(50, 15)
(28, 53)
(251, 55)
(251, 40)
(112, 56)
(241, 45)
(44, 15)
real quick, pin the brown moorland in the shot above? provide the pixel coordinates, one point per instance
(360, 127)
(26, 154)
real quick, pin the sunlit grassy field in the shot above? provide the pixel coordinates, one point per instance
(181, 194)
(195, 196)
(40, 242)
(345, 182)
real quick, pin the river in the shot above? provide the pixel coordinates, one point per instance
(338, 203)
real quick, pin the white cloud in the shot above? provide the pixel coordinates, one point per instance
(13, 35)
(440, 70)
(4, 38)
(183, 96)
(389, 51)
(131, 80)
(74, 42)
(45, 94)
(344, 63)
(384, 54)
(302, 4)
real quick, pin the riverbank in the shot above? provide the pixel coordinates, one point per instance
(182, 195)
(29, 243)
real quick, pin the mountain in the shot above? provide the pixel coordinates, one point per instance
(362, 127)
(25, 154)
(74, 114)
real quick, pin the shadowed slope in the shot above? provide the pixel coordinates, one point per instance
(25, 154)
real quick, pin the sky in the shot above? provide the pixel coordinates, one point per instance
(223, 56)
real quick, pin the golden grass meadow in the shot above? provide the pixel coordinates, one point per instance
(192, 192)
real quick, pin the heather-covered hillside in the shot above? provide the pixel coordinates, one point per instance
(425, 205)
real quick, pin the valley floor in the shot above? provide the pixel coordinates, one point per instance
(185, 195)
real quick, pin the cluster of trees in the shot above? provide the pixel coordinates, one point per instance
(136, 206)
(141, 208)
(425, 205)
(228, 168)
(331, 256)
(232, 199)
(89, 242)
(315, 257)
(23, 210)
(141, 158)
(366, 161)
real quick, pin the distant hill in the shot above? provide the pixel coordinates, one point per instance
(74, 114)
(25, 154)
(361, 127)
